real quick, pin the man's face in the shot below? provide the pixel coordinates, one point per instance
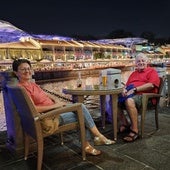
(141, 63)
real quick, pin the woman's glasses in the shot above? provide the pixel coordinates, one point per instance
(25, 70)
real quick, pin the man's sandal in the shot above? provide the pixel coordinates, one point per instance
(131, 137)
(92, 151)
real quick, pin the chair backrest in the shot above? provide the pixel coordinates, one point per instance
(160, 88)
(25, 109)
(168, 83)
(162, 83)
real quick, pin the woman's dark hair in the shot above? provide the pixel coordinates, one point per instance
(16, 63)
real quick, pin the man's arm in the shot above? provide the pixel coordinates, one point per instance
(144, 87)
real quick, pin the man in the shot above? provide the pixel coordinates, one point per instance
(143, 80)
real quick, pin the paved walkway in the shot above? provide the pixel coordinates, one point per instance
(151, 152)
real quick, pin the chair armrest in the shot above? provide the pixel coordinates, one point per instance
(151, 95)
(147, 96)
(76, 107)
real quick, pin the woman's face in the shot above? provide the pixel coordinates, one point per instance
(24, 72)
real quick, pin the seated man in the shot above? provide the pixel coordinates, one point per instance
(22, 69)
(143, 80)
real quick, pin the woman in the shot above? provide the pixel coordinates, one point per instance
(22, 69)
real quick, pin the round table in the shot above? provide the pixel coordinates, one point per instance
(79, 93)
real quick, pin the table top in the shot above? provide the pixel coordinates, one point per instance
(92, 90)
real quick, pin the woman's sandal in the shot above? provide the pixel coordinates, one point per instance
(131, 138)
(92, 151)
(98, 141)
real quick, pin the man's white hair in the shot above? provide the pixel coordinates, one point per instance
(142, 55)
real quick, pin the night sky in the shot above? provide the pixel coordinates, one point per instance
(88, 17)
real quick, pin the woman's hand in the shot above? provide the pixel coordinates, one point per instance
(41, 109)
(59, 104)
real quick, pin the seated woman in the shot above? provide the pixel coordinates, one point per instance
(23, 70)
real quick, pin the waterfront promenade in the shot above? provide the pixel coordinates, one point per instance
(150, 153)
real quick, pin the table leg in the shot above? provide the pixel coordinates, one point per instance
(114, 110)
(103, 109)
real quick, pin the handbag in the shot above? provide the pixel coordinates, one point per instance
(50, 125)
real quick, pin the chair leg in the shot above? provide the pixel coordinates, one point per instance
(82, 134)
(62, 139)
(142, 124)
(40, 145)
(156, 118)
(143, 119)
(27, 142)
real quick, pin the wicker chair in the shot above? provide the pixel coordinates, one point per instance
(168, 91)
(31, 121)
(145, 107)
